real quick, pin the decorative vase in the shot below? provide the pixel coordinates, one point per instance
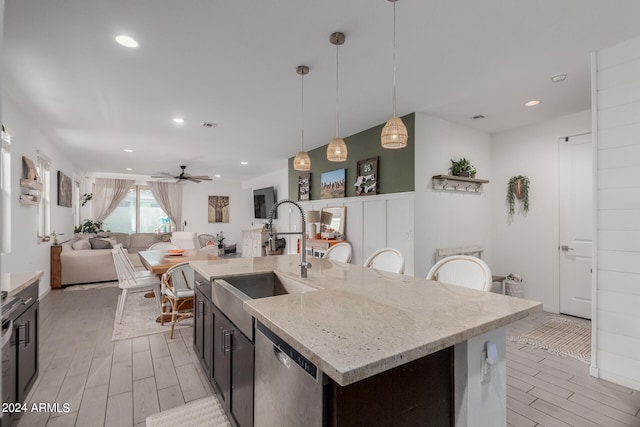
(518, 191)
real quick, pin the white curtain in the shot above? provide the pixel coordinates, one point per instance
(169, 197)
(107, 195)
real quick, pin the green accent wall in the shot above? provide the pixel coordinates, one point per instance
(396, 168)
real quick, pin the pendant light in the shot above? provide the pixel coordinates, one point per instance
(394, 133)
(302, 162)
(337, 149)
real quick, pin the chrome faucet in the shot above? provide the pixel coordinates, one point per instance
(304, 265)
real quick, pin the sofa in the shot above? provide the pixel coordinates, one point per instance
(82, 264)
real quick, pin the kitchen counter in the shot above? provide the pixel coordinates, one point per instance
(16, 282)
(360, 322)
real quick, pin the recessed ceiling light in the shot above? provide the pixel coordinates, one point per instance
(532, 103)
(217, 176)
(244, 163)
(128, 150)
(178, 120)
(126, 41)
(129, 169)
(559, 78)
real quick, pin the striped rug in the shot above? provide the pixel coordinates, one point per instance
(562, 337)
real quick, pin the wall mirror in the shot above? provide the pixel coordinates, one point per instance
(338, 218)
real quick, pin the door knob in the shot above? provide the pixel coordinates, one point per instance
(565, 248)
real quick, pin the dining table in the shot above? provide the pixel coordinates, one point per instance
(159, 261)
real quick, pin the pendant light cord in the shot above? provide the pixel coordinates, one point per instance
(302, 114)
(393, 95)
(337, 111)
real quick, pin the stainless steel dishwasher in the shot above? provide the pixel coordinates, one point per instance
(289, 390)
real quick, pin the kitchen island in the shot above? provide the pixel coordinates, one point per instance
(357, 324)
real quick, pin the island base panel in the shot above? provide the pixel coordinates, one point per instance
(419, 393)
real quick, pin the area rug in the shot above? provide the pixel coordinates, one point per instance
(90, 286)
(562, 337)
(205, 412)
(140, 319)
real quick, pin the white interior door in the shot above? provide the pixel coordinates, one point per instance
(576, 225)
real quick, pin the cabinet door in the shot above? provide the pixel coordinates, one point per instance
(198, 325)
(207, 338)
(27, 325)
(222, 329)
(241, 393)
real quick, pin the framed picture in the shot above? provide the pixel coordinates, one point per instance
(304, 187)
(332, 184)
(367, 181)
(64, 190)
(218, 209)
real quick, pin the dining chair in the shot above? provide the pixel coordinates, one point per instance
(386, 259)
(185, 240)
(129, 264)
(178, 285)
(339, 252)
(162, 246)
(462, 270)
(129, 282)
(206, 239)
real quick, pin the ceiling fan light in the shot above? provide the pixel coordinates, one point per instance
(302, 162)
(394, 134)
(337, 150)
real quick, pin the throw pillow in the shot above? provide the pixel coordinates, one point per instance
(81, 244)
(100, 244)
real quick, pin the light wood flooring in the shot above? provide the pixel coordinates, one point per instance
(121, 383)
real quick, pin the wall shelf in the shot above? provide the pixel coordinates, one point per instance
(30, 184)
(458, 183)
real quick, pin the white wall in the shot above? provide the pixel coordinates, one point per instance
(617, 318)
(195, 199)
(27, 252)
(444, 218)
(528, 244)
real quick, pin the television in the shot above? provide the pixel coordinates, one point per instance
(263, 201)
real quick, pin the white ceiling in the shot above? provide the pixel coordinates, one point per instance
(233, 63)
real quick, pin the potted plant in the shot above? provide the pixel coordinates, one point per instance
(462, 167)
(89, 226)
(518, 188)
(220, 240)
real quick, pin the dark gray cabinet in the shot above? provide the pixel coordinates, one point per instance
(226, 355)
(26, 330)
(202, 332)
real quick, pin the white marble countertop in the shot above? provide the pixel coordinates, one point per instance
(15, 282)
(360, 322)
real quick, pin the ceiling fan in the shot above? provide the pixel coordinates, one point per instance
(182, 177)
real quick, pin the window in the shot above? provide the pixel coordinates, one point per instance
(5, 188)
(138, 212)
(76, 201)
(44, 207)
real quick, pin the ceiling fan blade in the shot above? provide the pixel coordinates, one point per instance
(193, 179)
(163, 174)
(202, 177)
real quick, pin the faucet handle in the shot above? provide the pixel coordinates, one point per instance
(305, 264)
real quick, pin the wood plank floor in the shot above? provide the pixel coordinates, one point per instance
(120, 383)
(107, 383)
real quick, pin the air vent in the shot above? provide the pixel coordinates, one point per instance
(478, 117)
(209, 125)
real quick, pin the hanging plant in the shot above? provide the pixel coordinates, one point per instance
(85, 198)
(518, 188)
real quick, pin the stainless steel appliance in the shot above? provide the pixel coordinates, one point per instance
(289, 389)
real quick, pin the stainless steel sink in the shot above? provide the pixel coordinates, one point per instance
(229, 294)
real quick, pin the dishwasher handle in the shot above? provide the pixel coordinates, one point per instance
(282, 358)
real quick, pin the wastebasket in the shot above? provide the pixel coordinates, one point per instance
(514, 286)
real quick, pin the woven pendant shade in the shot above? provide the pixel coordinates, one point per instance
(302, 162)
(394, 134)
(337, 150)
